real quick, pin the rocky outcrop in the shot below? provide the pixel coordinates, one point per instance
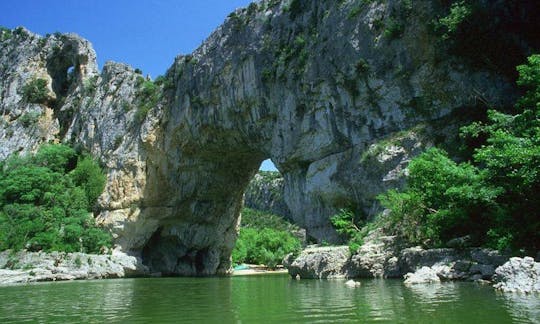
(338, 97)
(383, 257)
(376, 258)
(24, 267)
(265, 192)
(518, 275)
(319, 263)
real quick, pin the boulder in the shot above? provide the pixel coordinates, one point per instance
(518, 275)
(376, 258)
(422, 276)
(320, 263)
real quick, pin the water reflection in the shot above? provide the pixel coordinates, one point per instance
(66, 302)
(523, 308)
(256, 299)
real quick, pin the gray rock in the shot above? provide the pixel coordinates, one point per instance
(23, 267)
(320, 263)
(459, 242)
(518, 275)
(488, 256)
(376, 258)
(265, 192)
(421, 276)
(486, 271)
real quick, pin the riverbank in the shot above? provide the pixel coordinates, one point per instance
(253, 269)
(383, 257)
(27, 267)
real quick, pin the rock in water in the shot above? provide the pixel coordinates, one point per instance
(421, 276)
(23, 267)
(353, 284)
(518, 275)
(320, 263)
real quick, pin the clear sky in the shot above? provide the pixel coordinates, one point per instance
(144, 34)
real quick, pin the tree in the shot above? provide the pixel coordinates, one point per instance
(45, 202)
(494, 198)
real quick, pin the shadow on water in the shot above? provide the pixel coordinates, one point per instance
(266, 298)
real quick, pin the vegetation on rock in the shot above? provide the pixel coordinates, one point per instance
(264, 239)
(493, 197)
(36, 91)
(46, 200)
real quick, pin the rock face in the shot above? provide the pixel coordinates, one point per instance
(518, 275)
(24, 267)
(338, 103)
(265, 192)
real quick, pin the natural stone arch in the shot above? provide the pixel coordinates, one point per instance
(341, 130)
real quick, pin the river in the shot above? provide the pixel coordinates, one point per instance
(261, 299)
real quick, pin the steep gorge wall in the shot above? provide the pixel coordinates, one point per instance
(339, 103)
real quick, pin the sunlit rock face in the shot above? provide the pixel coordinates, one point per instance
(337, 101)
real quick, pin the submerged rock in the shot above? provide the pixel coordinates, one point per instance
(421, 276)
(353, 284)
(518, 275)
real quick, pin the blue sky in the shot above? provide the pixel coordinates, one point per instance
(144, 34)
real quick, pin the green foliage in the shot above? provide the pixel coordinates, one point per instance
(30, 118)
(35, 91)
(148, 95)
(89, 176)
(264, 246)
(90, 86)
(295, 8)
(5, 33)
(394, 29)
(495, 200)
(264, 239)
(45, 201)
(345, 223)
(441, 199)
(459, 12)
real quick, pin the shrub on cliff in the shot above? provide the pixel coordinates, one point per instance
(494, 198)
(35, 91)
(45, 202)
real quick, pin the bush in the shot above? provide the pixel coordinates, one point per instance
(345, 223)
(36, 91)
(264, 246)
(264, 239)
(495, 198)
(45, 202)
(148, 95)
(459, 12)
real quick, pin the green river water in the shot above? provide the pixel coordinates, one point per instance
(261, 299)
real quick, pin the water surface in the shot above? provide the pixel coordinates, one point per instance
(261, 299)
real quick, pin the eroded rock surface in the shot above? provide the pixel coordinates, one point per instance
(319, 87)
(519, 275)
(329, 262)
(25, 267)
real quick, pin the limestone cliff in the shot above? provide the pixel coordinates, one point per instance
(340, 94)
(265, 192)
